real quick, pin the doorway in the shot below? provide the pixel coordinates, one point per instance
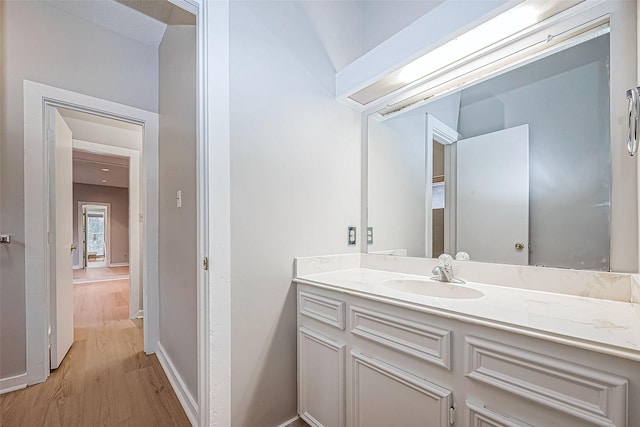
(37, 200)
(94, 234)
(40, 101)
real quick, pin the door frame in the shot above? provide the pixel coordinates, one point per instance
(214, 209)
(436, 130)
(106, 207)
(136, 231)
(39, 232)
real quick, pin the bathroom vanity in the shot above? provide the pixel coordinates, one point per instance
(488, 154)
(381, 347)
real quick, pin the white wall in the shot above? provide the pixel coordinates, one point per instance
(383, 18)
(178, 261)
(295, 171)
(397, 184)
(46, 45)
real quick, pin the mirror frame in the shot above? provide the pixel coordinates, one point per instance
(623, 255)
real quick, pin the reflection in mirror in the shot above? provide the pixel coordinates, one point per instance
(515, 169)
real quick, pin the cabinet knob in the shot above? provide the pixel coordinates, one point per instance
(519, 246)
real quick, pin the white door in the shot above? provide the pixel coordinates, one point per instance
(492, 196)
(62, 263)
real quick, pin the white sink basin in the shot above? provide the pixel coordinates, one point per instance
(433, 288)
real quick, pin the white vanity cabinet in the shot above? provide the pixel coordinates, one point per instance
(349, 372)
(321, 359)
(366, 362)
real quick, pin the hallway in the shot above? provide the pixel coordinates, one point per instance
(105, 379)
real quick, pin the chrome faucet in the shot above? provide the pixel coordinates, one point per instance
(444, 271)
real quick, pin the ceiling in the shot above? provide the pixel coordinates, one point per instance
(94, 118)
(88, 169)
(142, 20)
(161, 10)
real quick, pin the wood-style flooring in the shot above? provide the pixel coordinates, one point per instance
(105, 379)
(100, 273)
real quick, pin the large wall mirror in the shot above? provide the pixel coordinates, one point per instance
(525, 166)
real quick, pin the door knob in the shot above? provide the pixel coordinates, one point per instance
(519, 246)
(73, 248)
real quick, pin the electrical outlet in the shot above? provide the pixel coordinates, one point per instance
(352, 236)
(370, 235)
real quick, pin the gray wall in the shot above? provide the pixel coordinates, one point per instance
(44, 44)
(118, 198)
(295, 184)
(178, 262)
(569, 150)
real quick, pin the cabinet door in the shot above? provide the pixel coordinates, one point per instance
(321, 374)
(383, 395)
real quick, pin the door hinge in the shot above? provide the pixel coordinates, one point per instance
(205, 263)
(452, 415)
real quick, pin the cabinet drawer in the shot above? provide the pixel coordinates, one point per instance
(480, 416)
(324, 309)
(425, 342)
(594, 396)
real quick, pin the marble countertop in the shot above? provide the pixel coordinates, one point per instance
(605, 326)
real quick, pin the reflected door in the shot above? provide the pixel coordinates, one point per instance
(492, 194)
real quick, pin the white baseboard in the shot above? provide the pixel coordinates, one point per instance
(184, 396)
(139, 315)
(77, 267)
(10, 384)
(119, 264)
(290, 422)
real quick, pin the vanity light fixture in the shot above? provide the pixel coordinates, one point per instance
(464, 47)
(105, 169)
(104, 180)
(499, 28)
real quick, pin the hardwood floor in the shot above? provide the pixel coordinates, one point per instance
(105, 379)
(96, 304)
(99, 273)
